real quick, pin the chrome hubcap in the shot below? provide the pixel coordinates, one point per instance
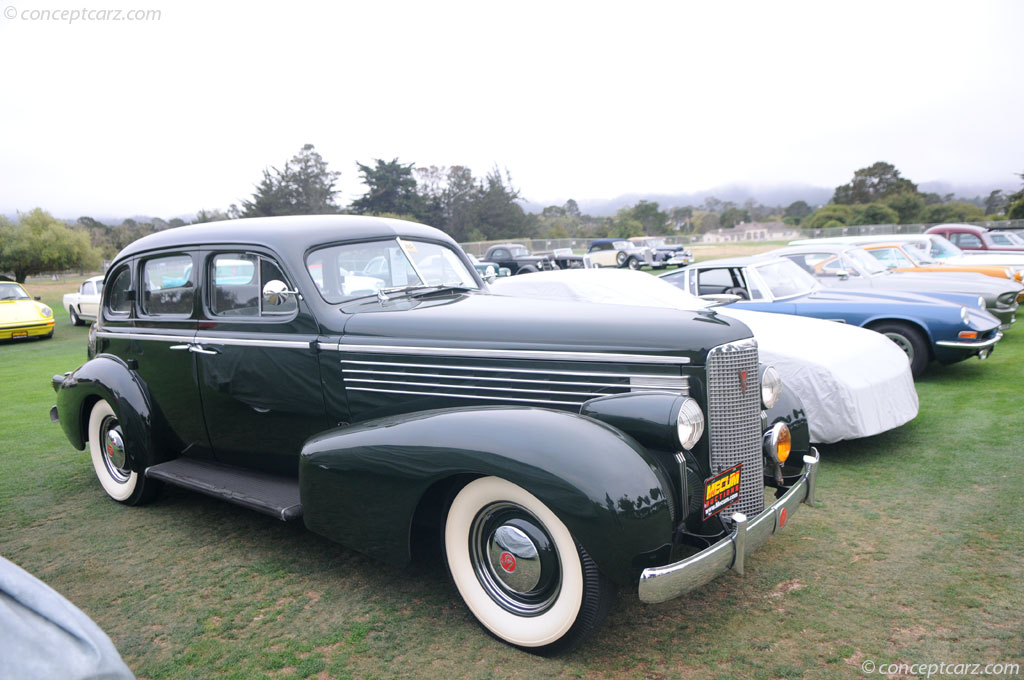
(114, 457)
(515, 559)
(902, 342)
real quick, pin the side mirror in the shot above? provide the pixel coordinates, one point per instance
(490, 275)
(37, 298)
(275, 293)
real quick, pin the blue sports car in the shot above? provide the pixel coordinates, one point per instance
(925, 328)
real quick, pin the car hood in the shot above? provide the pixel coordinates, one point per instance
(496, 322)
(13, 311)
(951, 282)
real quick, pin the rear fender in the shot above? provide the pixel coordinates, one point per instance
(109, 378)
(361, 485)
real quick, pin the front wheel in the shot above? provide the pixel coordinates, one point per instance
(911, 341)
(75, 319)
(108, 450)
(520, 571)
(634, 263)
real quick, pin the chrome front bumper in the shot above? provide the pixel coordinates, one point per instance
(658, 584)
(985, 344)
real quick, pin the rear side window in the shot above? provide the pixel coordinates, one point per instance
(967, 240)
(119, 300)
(168, 286)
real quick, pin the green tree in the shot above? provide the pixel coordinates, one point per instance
(874, 213)
(798, 210)
(829, 215)
(390, 188)
(954, 211)
(39, 243)
(733, 216)
(652, 220)
(873, 183)
(908, 206)
(303, 187)
(995, 203)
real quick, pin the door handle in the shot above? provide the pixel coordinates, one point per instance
(188, 347)
(199, 349)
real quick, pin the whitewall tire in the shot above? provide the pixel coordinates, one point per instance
(520, 571)
(108, 451)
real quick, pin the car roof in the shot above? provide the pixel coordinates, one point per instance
(811, 247)
(857, 240)
(289, 235)
(973, 228)
(745, 261)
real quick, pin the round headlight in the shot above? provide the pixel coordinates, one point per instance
(965, 316)
(46, 311)
(689, 423)
(771, 387)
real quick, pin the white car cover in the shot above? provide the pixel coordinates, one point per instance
(853, 382)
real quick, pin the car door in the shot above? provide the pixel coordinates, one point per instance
(259, 375)
(89, 302)
(160, 344)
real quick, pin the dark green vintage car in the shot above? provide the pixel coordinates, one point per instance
(559, 455)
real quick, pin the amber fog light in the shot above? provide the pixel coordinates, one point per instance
(778, 442)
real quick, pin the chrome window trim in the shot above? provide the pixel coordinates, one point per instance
(553, 355)
(207, 339)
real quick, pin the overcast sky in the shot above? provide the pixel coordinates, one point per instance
(582, 100)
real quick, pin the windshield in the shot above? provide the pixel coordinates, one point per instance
(1004, 238)
(865, 261)
(942, 248)
(622, 245)
(519, 251)
(785, 278)
(353, 270)
(12, 291)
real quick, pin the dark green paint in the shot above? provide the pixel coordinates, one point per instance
(361, 485)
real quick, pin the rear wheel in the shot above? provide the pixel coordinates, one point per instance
(108, 451)
(910, 340)
(520, 571)
(620, 258)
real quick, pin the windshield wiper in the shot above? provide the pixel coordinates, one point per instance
(440, 288)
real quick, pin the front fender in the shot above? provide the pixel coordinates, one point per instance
(361, 485)
(790, 410)
(109, 378)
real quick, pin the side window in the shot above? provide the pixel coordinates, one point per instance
(967, 240)
(714, 281)
(235, 285)
(500, 254)
(168, 286)
(237, 281)
(119, 300)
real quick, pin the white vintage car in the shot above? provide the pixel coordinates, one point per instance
(82, 305)
(851, 381)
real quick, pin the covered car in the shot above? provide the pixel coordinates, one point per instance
(853, 382)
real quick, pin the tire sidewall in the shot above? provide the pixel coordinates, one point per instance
(121, 492)
(533, 631)
(914, 339)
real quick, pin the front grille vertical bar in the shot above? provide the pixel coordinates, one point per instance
(734, 419)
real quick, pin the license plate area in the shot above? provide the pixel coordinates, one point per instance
(721, 491)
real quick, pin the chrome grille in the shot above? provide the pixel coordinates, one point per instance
(520, 382)
(734, 419)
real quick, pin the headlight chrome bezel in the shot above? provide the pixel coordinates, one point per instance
(965, 316)
(689, 423)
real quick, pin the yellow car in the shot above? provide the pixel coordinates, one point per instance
(21, 316)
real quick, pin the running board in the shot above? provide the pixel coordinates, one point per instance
(270, 494)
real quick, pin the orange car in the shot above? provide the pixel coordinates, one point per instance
(901, 256)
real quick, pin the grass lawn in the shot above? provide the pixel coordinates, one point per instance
(915, 554)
